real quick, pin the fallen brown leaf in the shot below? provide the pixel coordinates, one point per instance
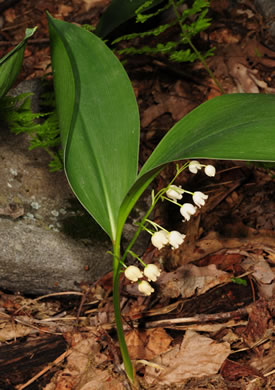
(147, 344)
(190, 279)
(263, 274)
(259, 318)
(196, 356)
(81, 371)
(233, 371)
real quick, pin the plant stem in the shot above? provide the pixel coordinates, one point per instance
(209, 71)
(198, 54)
(117, 264)
(116, 303)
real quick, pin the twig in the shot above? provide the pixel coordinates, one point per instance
(199, 318)
(48, 296)
(42, 372)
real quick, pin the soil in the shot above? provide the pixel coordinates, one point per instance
(68, 340)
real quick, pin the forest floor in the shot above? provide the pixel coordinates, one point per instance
(201, 329)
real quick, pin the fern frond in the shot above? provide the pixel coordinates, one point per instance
(191, 21)
(42, 128)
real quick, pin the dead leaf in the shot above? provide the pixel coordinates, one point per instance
(258, 322)
(264, 363)
(88, 4)
(213, 242)
(64, 10)
(196, 356)
(224, 35)
(245, 78)
(263, 274)
(147, 344)
(190, 279)
(103, 381)
(81, 371)
(177, 106)
(233, 371)
(12, 331)
(10, 15)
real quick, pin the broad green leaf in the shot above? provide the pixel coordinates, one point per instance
(118, 12)
(228, 127)
(10, 64)
(234, 127)
(98, 118)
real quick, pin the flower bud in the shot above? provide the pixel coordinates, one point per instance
(174, 192)
(194, 166)
(187, 209)
(133, 273)
(210, 170)
(152, 272)
(176, 239)
(145, 288)
(199, 198)
(160, 239)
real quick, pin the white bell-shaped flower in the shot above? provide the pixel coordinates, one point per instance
(199, 198)
(187, 209)
(174, 192)
(176, 239)
(145, 288)
(210, 170)
(194, 166)
(133, 273)
(160, 239)
(152, 272)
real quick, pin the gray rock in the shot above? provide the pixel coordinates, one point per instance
(49, 243)
(36, 261)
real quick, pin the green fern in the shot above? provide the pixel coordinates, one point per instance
(43, 128)
(191, 22)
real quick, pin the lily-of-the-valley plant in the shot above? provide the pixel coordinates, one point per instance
(99, 123)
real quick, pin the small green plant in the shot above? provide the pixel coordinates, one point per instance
(99, 123)
(99, 126)
(42, 128)
(189, 22)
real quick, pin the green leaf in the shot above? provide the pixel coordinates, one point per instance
(233, 127)
(118, 12)
(10, 64)
(239, 281)
(228, 127)
(99, 121)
